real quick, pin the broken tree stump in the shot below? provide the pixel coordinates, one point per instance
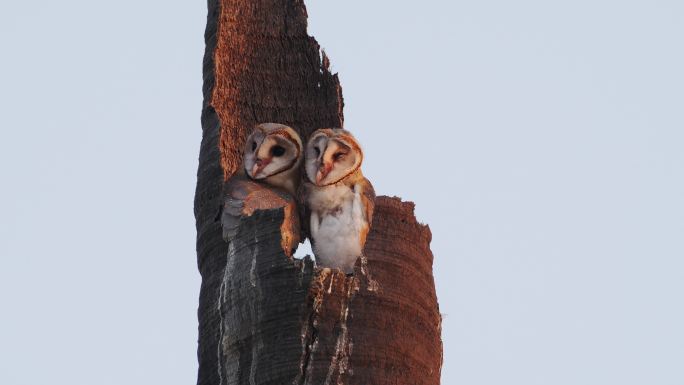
(265, 318)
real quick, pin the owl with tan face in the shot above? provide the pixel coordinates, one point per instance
(338, 199)
(273, 156)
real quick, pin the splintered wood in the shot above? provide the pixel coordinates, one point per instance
(264, 317)
(382, 325)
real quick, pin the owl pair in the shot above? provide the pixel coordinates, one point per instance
(335, 199)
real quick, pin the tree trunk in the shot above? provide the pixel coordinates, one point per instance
(265, 318)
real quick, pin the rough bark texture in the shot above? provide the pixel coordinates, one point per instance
(381, 325)
(267, 69)
(263, 317)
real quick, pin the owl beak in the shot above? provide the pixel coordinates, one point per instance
(259, 166)
(323, 171)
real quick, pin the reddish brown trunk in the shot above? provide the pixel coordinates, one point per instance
(267, 319)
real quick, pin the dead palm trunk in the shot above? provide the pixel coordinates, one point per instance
(263, 317)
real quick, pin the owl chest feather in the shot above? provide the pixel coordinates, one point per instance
(330, 200)
(336, 225)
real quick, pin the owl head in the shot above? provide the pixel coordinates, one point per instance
(273, 154)
(332, 155)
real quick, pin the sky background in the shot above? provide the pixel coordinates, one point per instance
(541, 140)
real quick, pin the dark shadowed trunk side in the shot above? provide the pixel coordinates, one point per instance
(264, 318)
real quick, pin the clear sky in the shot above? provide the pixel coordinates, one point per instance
(541, 140)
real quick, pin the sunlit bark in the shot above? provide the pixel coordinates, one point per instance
(265, 318)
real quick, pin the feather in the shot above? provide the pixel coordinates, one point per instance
(236, 190)
(368, 200)
(336, 201)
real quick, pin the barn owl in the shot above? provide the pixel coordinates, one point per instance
(273, 155)
(339, 201)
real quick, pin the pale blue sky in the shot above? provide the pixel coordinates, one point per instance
(541, 140)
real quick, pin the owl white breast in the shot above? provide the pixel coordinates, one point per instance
(337, 221)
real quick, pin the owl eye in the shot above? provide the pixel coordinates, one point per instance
(253, 146)
(338, 155)
(278, 151)
(318, 151)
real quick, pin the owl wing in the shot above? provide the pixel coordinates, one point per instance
(239, 192)
(233, 204)
(242, 196)
(368, 199)
(367, 194)
(230, 218)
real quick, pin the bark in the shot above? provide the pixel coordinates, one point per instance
(265, 318)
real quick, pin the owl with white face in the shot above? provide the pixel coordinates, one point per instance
(338, 199)
(273, 155)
